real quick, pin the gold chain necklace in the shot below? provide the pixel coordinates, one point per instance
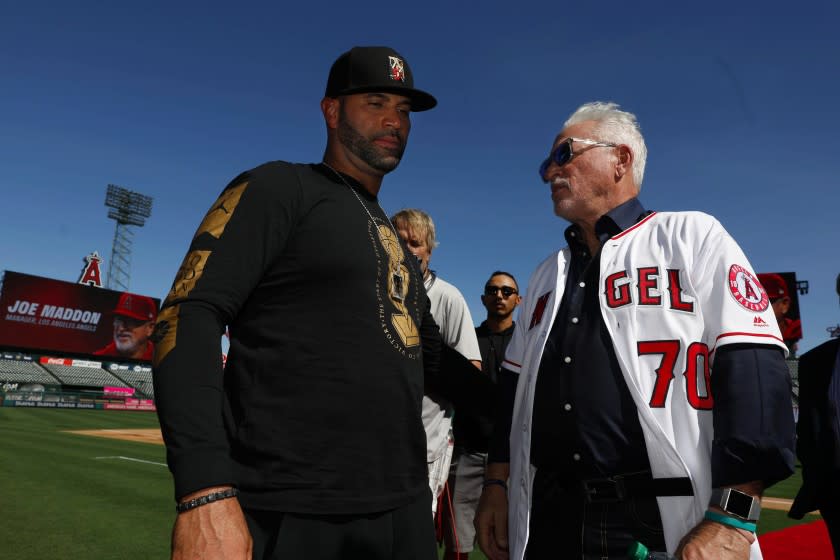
(397, 278)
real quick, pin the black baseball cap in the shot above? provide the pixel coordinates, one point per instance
(372, 69)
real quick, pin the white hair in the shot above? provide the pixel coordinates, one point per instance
(617, 127)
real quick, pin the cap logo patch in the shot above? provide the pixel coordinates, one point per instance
(747, 290)
(397, 68)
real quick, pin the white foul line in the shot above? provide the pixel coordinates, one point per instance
(132, 459)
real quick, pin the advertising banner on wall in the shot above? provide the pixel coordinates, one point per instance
(51, 315)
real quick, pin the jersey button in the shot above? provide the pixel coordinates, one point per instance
(575, 320)
(582, 284)
(567, 407)
(576, 456)
(568, 359)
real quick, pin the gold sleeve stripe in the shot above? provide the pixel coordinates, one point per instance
(166, 330)
(221, 212)
(191, 270)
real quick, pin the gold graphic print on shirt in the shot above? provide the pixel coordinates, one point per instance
(398, 279)
(221, 212)
(166, 329)
(166, 326)
(190, 272)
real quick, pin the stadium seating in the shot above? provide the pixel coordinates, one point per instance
(140, 380)
(84, 376)
(18, 371)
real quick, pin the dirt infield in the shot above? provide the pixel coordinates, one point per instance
(151, 435)
(782, 504)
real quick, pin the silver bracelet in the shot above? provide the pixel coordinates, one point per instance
(206, 499)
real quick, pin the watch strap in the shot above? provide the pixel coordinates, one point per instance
(730, 521)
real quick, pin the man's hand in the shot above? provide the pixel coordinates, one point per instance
(491, 523)
(215, 531)
(714, 541)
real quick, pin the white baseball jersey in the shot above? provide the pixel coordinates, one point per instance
(674, 287)
(451, 313)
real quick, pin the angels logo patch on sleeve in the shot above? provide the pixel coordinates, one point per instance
(747, 290)
(539, 309)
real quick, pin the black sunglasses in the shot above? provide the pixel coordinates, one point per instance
(507, 291)
(563, 153)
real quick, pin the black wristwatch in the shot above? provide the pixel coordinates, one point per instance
(736, 503)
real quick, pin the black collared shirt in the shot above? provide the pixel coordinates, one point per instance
(585, 422)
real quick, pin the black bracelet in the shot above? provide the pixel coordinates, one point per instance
(494, 482)
(206, 499)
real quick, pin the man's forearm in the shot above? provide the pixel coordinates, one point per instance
(497, 471)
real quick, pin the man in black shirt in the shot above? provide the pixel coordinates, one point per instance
(473, 430)
(310, 443)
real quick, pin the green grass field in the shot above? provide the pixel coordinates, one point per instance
(65, 495)
(59, 498)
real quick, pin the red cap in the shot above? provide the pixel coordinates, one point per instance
(774, 285)
(142, 308)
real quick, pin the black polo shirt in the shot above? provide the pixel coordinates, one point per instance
(585, 422)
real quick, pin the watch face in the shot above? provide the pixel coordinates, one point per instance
(739, 503)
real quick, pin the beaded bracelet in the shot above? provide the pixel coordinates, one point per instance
(731, 521)
(206, 499)
(494, 482)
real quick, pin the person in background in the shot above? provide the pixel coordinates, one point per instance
(818, 436)
(777, 291)
(134, 322)
(450, 311)
(472, 431)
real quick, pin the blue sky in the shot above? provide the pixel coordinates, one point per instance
(738, 106)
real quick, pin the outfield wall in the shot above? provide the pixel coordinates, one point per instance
(60, 399)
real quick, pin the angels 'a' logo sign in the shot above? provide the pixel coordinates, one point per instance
(397, 68)
(746, 289)
(91, 275)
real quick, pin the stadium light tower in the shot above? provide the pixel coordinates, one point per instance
(128, 208)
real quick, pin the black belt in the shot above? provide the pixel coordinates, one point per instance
(620, 487)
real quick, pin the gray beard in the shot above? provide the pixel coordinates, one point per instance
(127, 348)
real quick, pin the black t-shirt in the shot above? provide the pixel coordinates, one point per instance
(473, 430)
(318, 409)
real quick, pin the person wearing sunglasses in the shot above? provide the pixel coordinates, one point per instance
(500, 299)
(472, 430)
(450, 311)
(653, 399)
